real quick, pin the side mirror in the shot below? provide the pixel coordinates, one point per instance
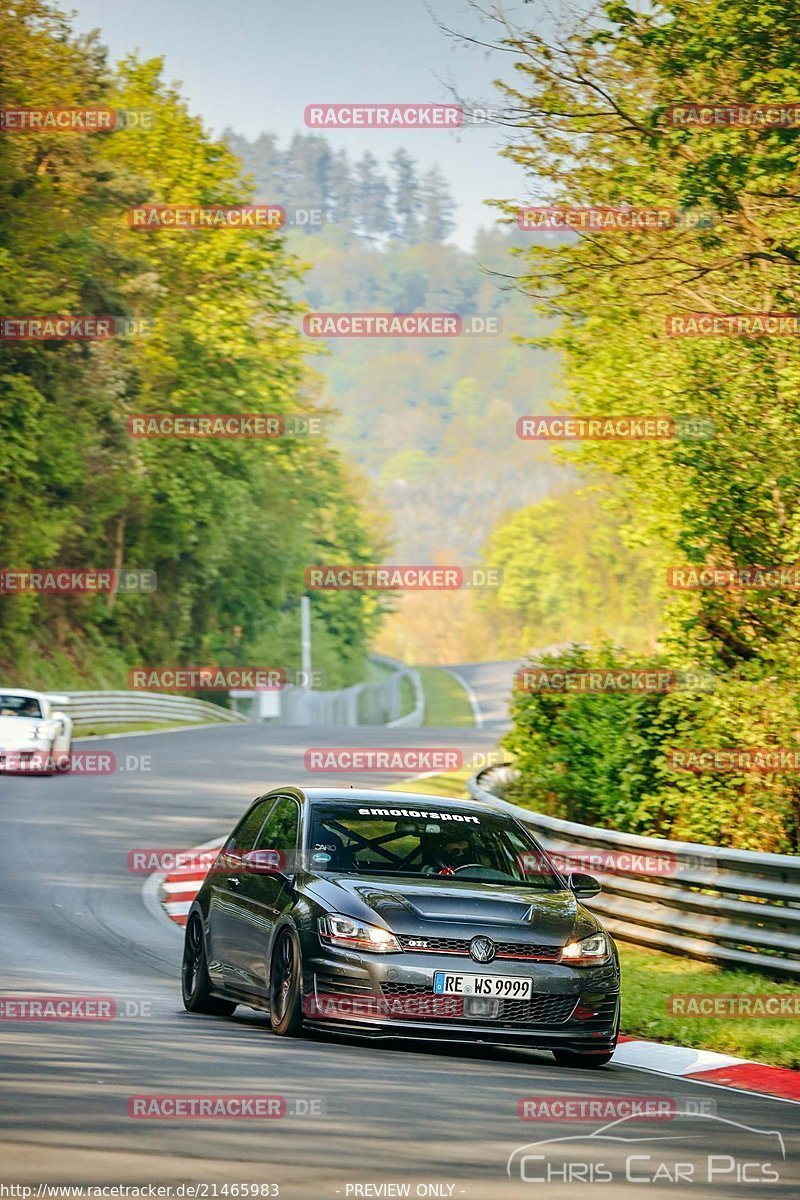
(264, 862)
(584, 886)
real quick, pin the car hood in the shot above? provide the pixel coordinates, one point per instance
(414, 907)
(19, 732)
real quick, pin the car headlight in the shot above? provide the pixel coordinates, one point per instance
(342, 931)
(587, 952)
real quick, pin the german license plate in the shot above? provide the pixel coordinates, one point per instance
(451, 983)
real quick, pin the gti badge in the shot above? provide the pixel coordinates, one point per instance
(416, 944)
(482, 949)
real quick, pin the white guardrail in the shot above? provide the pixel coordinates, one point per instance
(379, 703)
(733, 907)
(89, 709)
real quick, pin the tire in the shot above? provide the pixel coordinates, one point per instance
(285, 986)
(573, 1058)
(195, 984)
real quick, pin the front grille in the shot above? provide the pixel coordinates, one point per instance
(542, 953)
(332, 985)
(440, 945)
(529, 951)
(539, 1010)
(422, 1004)
(406, 989)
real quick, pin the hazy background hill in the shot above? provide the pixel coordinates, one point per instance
(430, 420)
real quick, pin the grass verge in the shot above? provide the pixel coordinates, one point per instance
(450, 783)
(650, 978)
(151, 727)
(378, 672)
(446, 702)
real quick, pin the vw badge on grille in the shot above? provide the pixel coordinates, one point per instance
(482, 949)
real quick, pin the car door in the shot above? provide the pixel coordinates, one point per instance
(262, 898)
(225, 881)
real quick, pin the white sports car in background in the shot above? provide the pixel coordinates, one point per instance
(35, 738)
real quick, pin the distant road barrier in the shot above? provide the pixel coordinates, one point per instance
(378, 703)
(88, 709)
(734, 907)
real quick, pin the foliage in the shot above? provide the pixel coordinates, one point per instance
(568, 575)
(600, 757)
(447, 703)
(227, 526)
(318, 186)
(593, 129)
(592, 105)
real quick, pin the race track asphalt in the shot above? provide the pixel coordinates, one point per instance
(442, 1120)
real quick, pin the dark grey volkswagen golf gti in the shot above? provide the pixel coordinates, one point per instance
(402, 915)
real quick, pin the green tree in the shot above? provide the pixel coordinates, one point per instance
(228, 526)
(405, 196)
(594, 129)
(437, 207)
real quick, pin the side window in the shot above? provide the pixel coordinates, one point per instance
(280, 831)
(243, 839)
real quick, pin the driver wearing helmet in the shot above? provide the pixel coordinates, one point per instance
(453, 848)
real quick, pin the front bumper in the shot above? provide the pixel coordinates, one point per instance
(571, 1008)
(34, 758)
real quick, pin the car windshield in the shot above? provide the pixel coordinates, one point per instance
(19, 706)
(426, 842)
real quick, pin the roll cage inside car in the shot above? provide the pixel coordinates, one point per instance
(326, 832)
(498, 849)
